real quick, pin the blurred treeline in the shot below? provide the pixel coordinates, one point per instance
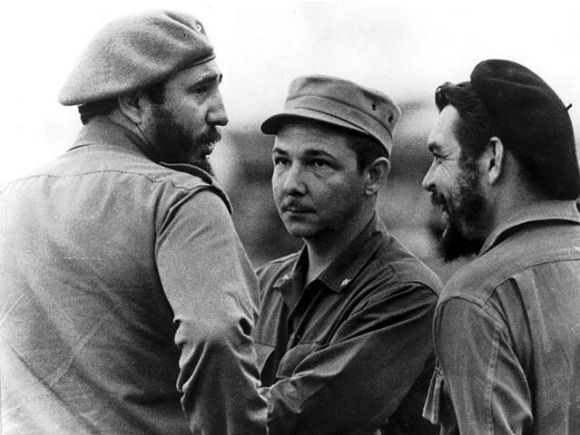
(403, 204)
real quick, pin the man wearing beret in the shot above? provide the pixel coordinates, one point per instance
(126, 300)
(507, 334)
(344, 336)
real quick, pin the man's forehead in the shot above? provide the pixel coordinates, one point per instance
(443, 133)
(310, 139)
(206, 71)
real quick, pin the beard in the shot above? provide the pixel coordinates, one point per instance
(462, 237)
(177, 144)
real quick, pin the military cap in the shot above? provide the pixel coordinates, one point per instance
(533, 121)
(341, 103)
(133, 52)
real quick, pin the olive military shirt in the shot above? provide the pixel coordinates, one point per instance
(507, 331)
(126, 299)
(352, 350)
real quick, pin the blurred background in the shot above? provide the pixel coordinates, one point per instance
(403, 48)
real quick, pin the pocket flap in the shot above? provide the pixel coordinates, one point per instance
(431, 409)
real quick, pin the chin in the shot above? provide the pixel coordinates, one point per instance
(455, 244)
(303, 231)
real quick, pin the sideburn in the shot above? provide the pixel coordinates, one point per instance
(463, 237)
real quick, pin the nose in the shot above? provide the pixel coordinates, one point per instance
(217, 112)
(293, 183)
(428, 180)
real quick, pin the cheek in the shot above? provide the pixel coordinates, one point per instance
(186, 114)
(339, 194)
(446, 177)
(276, 183)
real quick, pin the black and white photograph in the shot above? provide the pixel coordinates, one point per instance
(290, 217)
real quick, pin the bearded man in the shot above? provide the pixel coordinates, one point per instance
(126, 300)
(507, 335)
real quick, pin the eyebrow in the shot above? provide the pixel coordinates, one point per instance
(318, 153)
(307, 153)
(209, 79)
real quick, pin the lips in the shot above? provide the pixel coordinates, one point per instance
(212, 136)
(439, 201)
(207, 150)
(207, 142)
(294, 207)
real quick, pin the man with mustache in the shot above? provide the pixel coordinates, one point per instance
(507, 335)
(344, 335)
(126, 300)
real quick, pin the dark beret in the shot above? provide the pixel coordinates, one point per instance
(533, 121)
(133, 52)
(341, 103)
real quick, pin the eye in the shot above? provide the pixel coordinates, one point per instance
(280, 161)
(200, 90)
(438, 159)
(318, 163)
(204, 87)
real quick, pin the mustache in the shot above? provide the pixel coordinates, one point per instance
(211, 136)
(437, 199)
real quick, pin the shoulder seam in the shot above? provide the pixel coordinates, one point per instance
(150, 179)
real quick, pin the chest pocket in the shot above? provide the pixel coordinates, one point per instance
(294, 357)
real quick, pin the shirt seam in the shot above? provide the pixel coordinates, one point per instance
(484, 307)
(494, 283)
(490, 380)
(152, 180)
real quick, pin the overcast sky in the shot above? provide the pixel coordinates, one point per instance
(404, 48)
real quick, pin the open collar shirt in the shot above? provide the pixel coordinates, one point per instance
(350, 351)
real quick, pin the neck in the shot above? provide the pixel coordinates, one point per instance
(511, 198)
(323, 249)
(142, 143)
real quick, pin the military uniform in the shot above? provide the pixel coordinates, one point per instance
(352, 350)
(121, 279)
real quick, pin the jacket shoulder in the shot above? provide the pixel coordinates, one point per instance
(284, 264)
(271, 271)
(407, 267)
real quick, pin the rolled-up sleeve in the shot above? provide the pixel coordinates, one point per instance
(481, 373)
(213, 292)
(354, 384)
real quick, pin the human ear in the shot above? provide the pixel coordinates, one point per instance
(132, 106)
(376, 174)
(495, 156)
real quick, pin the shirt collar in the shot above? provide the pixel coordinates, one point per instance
(291, 284)
(537, 212)
(343, 269)
(347, 265)
(107, 132)
(103, 131)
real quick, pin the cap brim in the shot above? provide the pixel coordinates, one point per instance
(273, 124)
